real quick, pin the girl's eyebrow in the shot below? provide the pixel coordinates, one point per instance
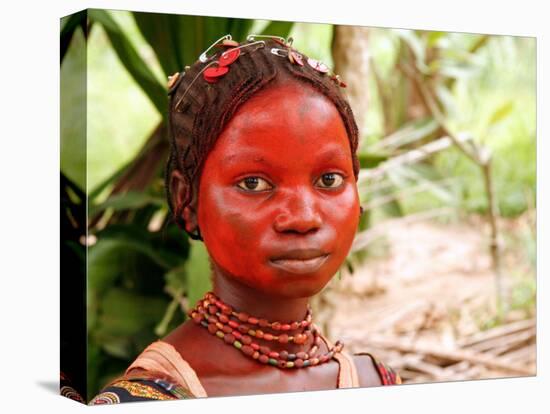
(333, 152)
(240, 157)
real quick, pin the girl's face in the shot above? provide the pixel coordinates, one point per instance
(278, 205)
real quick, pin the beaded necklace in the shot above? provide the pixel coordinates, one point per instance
(238, 329)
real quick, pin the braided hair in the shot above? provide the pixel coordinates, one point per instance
(199, 110)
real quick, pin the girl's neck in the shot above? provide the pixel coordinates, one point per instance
(258, 304)
(262, 306)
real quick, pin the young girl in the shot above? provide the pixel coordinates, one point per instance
(263, 170)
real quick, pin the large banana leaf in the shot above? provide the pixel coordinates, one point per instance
(179, 40)
(131, 59)
(69, 24)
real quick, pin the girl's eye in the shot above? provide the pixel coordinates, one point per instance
(330, 180)
(254, 184)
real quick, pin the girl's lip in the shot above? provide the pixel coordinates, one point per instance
(300, 266)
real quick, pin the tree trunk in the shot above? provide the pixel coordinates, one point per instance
(350, 52)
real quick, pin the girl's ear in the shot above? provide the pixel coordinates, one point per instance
(190, 217)
(179, 188)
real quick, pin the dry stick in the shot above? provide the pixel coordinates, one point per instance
(457, 372)
(459, 367)
(407, 310)
(481, 159)
(400, 195)
(426, 368)
(513, 342)
(487, 176)
(364, 238)
(436, 113)
(409, 157)
(523, 355)
(497, 332)
(502, 344)
(383, 97)
(453, 355)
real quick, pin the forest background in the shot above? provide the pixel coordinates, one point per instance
(448, 159)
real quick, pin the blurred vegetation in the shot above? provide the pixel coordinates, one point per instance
(143, 272)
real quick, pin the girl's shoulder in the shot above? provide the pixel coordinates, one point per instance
(140, 385)
(366, 362)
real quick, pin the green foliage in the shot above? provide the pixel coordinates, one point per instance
(131, 59)
(69, 25)
(524, 295)
(126, 290)
(129, 200)
(481, 91)
(119, 122)
(198, 267)
(73, 97)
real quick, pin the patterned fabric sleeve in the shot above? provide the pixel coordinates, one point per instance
(66, 388)
(387, 374)
(144, 387)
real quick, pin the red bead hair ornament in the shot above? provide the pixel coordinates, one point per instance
(216, 69)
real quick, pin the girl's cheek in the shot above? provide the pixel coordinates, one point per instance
(345, 208)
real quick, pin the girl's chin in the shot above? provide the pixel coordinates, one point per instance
(277, 282)
(301, 291)
(295, 286)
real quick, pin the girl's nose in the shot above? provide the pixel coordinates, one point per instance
(300, 214)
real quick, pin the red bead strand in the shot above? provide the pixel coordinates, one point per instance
(215, 315)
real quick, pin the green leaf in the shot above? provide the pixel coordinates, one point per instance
(176, 286)
(455, 71)
(407, 134)
(73, 95)
(416, 44)
(68, 26)
(447, 98)
(278, 28)
(111, 258)
(239, 28)
(393, 209)
(405, 176)
(125, 315)
(131, 237)
(158, 31)
(116, 175)
(103, 264)
(371, 159)
(120, 347)
(176, 279)
(198, 272)
(129, 200)
(179, 40)
(128, 256)
(501, 112)
(433, 38)
(131, 60)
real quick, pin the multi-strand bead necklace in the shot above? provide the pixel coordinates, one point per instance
(239, 329)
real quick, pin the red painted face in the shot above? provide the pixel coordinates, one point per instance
(278, 205)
